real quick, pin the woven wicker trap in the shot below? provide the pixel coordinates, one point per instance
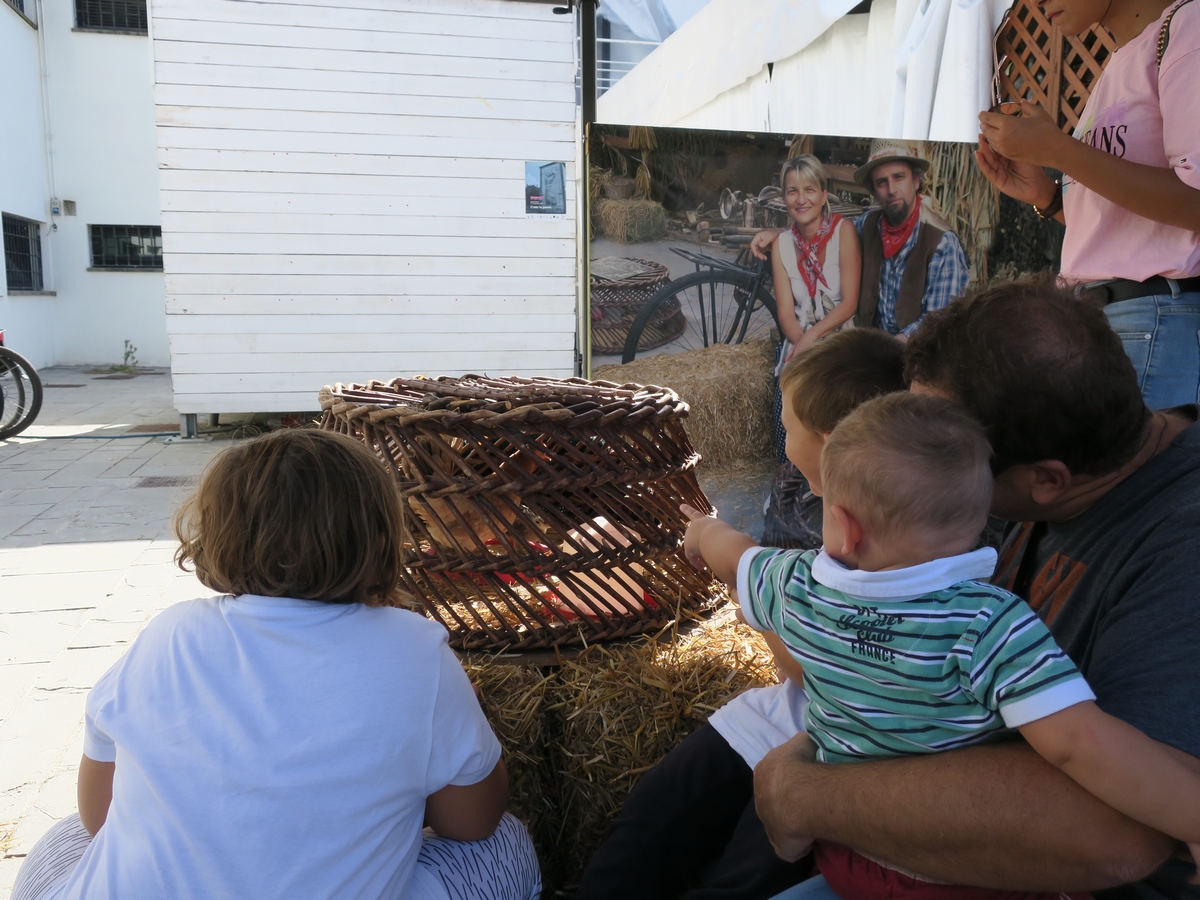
(544, 512)
(621, 286)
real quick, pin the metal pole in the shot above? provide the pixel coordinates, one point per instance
(587, 116)
(587, 61)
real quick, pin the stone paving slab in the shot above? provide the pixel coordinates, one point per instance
(86, 559)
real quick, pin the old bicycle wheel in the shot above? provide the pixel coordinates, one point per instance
(20, 393)
(717, 308)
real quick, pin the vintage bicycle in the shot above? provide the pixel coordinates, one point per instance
(725, 302)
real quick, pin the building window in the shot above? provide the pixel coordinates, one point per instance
(22, 254)
(126, 246)
(18, 5)
(111, 15)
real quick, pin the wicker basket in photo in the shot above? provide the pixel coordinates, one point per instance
(543, 512)
(621, 286)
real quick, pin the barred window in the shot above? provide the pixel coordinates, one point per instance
(111, 15)
(126, 246)
(22, 254)
(18, 5)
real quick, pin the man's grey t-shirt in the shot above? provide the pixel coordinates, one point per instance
(1119, 587)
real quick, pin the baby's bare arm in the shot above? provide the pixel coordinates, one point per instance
(1155, 784)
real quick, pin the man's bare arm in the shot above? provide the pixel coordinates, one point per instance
(996, 816)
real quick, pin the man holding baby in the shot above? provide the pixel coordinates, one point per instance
(1110, 496)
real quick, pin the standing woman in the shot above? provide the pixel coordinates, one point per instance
(1130, 191)
(817, 265)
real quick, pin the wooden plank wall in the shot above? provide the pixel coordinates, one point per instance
(343, 193)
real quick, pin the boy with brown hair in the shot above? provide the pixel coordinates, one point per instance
(839, 374)
(906, 649)
(691, 818)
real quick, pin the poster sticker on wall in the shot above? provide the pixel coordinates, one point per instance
(545, 188)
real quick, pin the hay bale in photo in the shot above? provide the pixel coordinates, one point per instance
(730, 390)
(624, 707)
(631, 221)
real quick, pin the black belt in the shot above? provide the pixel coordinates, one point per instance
(1123, 289)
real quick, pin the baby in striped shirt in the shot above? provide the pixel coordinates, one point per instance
(904, 647)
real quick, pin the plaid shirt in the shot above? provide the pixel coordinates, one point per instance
(947, 277)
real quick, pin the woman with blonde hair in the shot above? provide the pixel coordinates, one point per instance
(817, 266)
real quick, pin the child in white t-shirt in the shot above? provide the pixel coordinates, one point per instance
(294, 737)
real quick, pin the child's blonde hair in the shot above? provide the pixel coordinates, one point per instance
(909, 462)
(297, 513)
(807, 168)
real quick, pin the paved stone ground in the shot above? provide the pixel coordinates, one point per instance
(85, 561)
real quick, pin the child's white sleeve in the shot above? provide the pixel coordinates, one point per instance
(97, 745)
(463, 747)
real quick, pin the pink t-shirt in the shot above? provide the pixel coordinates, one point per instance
(1145, 114)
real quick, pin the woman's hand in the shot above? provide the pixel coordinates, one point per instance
(1031, 138)
(807, 341)
(1003, 160)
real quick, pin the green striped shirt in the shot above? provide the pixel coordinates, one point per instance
(908, 661)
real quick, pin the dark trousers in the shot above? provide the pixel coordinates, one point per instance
(689, 828)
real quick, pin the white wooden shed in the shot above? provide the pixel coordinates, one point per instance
(343, 193)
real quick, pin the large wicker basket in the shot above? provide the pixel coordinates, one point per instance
(544, 512)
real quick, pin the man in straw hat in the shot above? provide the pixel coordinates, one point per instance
(913, 263)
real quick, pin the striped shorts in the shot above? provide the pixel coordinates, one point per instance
(503, 867)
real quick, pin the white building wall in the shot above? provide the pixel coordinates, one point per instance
(101, 92)
(96, 92)
(26, 319)
(343, 193)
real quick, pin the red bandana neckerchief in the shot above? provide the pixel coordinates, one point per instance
(808, 253)
(896, 236)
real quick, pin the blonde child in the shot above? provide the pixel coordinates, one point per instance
(293, 737)
(906, 648)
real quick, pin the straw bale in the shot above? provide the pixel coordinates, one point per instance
(579, 733)
(730, 390)
(514, 700)
(624, 708)
(631, 221)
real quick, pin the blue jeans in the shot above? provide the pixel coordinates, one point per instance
(815, 888)
(1161, 335)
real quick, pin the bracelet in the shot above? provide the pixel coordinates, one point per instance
(1055, 205)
